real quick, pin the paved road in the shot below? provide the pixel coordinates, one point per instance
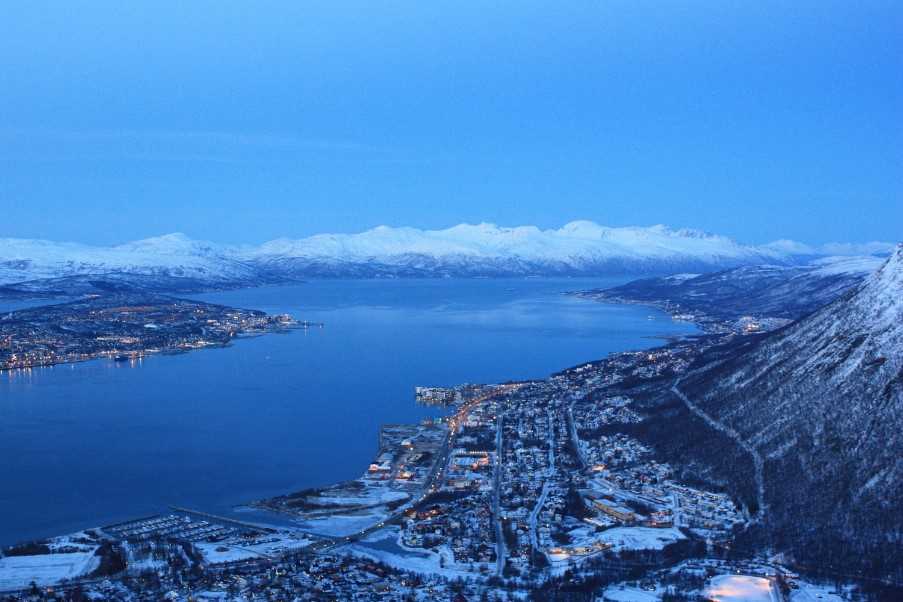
(500, 552)
(533, 515)
(550, 471)
(676, 512)
(551, 417)
(572, 428)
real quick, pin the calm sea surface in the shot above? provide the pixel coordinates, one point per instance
(89, 444)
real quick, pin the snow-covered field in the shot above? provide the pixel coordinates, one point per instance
(740, 588)
(391, 552)
(217, 553)
(754, 586)
(234, 550)
(46, 569)
(627, 593)
(639, 538)
(369, 496)
(350, 507)
(340, 525)
(808, 592)
(80, 541)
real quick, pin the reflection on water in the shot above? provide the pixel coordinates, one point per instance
(97, 442)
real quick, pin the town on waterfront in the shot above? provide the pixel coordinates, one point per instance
(516, 488)
(124, 327)
(451, 301)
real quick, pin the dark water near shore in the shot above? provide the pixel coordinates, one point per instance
(98, 442)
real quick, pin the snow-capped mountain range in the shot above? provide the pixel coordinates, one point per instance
(578, 248)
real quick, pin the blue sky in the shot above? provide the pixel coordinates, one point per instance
(242, 122)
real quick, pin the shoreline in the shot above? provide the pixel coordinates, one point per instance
(708, 324)
(287, 515)
(126, 327)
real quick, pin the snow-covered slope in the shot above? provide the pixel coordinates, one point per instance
(578, 247)
(762, 291)
(174, 255)
(822, 402)
(465, 250)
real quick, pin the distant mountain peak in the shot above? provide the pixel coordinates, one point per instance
(175, 243)
(583, 228)
(173, 238)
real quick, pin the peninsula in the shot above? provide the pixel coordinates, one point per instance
(124, 326)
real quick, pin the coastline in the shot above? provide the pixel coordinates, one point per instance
(705, 322)
(125, 328)
(547, 373)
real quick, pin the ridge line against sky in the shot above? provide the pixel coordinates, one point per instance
(238, 122)
(582, 230)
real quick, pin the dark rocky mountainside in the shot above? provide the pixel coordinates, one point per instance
(818, 407)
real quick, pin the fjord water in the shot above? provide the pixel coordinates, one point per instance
(93, 443)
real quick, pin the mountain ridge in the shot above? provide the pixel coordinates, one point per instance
(577, 248)
(821, 401)
(730, 298)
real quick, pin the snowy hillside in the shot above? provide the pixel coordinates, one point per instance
(762, 291)
(578, 248)
(821, 401)
(486, 249)
(174, 255)
(575, 242)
